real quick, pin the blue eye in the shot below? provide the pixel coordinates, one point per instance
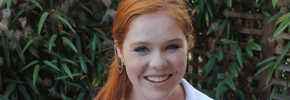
(141, 49)
(172, 46)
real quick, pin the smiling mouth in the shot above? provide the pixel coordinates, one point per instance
(158, 79)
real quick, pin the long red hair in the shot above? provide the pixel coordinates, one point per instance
(118, 85)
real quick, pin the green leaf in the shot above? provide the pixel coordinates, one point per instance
(221, 76)
(41, 22)
(272, 94)
(22, 57)
(219, 56)
(6, 50)
(86, 8)
(65, 22)
(264, 68)
(8, 3)
(223, 25)
(209, 9)
(14, 95)
(274, 2)
(94, 43)
(35, 74)
(228, 30)
(270, 74)
(231, 42)
(28, 65)
(274, 17)
(267, 86)
(36, 4)
(200, 3)
(106, 15)
(67, 41)
(209, 31)
(229, 3)
(9, 89)
(233, 68)
(266, 60)
(249, 51)
(282, 18)
(16, 16)
(265, 12)
(83, 64)
(30, 83)
(51, 42)
(51, 65)
(3, 98)
(73, 84)
(219, 89)
(70, 61)
(66, 69)
(64, 77)
(208, 66)
(81, 96)
(33, 52)
(26, 46)
(230, 82)
(240, 56)
(282, 27)
(24, 92)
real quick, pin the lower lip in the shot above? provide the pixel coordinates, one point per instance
(158, 84)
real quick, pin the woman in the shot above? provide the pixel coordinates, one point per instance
(152, 38)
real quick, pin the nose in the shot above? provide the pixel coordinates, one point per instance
(158, 61)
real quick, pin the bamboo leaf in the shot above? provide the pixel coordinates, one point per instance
(14, 95)
(233, 69)
(94, 42)
(36, 4)
(70, 61)
(17, 16)
(67, 41)
(249, 51)
(264, 68)
(86, 8)
(282, 18)
(73, 84)
(221, 76)
(26, 46)
(64, 77)
(282, 27)
(28, 65)
(208, 66)
(51, 42)
(8, 3)
(200, 3)
(274, 17)
(83, 64)
(266, 60)
(6, 50)
(219, 56)
(51, 65)
(274, 2)
(223, 25)
(3, 98)
(9, 89)
(229, 3)
(81, 96)
(265, 12)
(41, 22)
(219, 89)
(22, 57)
(24, 92)
(66, 69)
(209, 9)
(272, 94)
(230, 82)
(231, 42)
(240, 56)
(267, 86)
(65, 22)
(35, 75)
(228, 30)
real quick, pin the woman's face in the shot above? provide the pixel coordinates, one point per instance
(155, 53)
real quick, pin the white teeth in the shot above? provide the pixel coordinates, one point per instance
(157, 78)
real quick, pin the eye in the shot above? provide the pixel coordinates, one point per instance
(141, 49)
(172, 46)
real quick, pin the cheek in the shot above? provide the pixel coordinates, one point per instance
(134, 65)
(179, 60)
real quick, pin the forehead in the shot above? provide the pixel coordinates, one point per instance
(153, 27)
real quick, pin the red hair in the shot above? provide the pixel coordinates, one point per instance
(118, 85)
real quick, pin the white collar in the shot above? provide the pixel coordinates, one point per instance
(191, 93)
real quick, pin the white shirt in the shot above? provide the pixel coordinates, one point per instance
(191, 93)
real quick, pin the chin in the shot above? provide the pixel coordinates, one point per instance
(158, 96)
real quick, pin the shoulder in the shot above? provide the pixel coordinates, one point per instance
(192, 93)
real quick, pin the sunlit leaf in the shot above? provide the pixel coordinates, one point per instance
(282, 27)
(8, 3)
(282, 18)
(274, 17)
(274, 2)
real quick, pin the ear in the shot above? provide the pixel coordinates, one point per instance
(119, 52)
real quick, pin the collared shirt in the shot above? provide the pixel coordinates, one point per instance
(191, 93)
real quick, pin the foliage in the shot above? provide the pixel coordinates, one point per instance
(54, 49)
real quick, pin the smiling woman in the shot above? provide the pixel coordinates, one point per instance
(152, 38)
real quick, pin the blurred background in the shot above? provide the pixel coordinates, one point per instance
(61, 49)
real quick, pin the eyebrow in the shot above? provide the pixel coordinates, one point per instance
(146, 43)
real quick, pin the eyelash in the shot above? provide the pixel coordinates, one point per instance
(145, 49)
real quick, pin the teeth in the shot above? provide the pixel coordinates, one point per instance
(157, 78)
